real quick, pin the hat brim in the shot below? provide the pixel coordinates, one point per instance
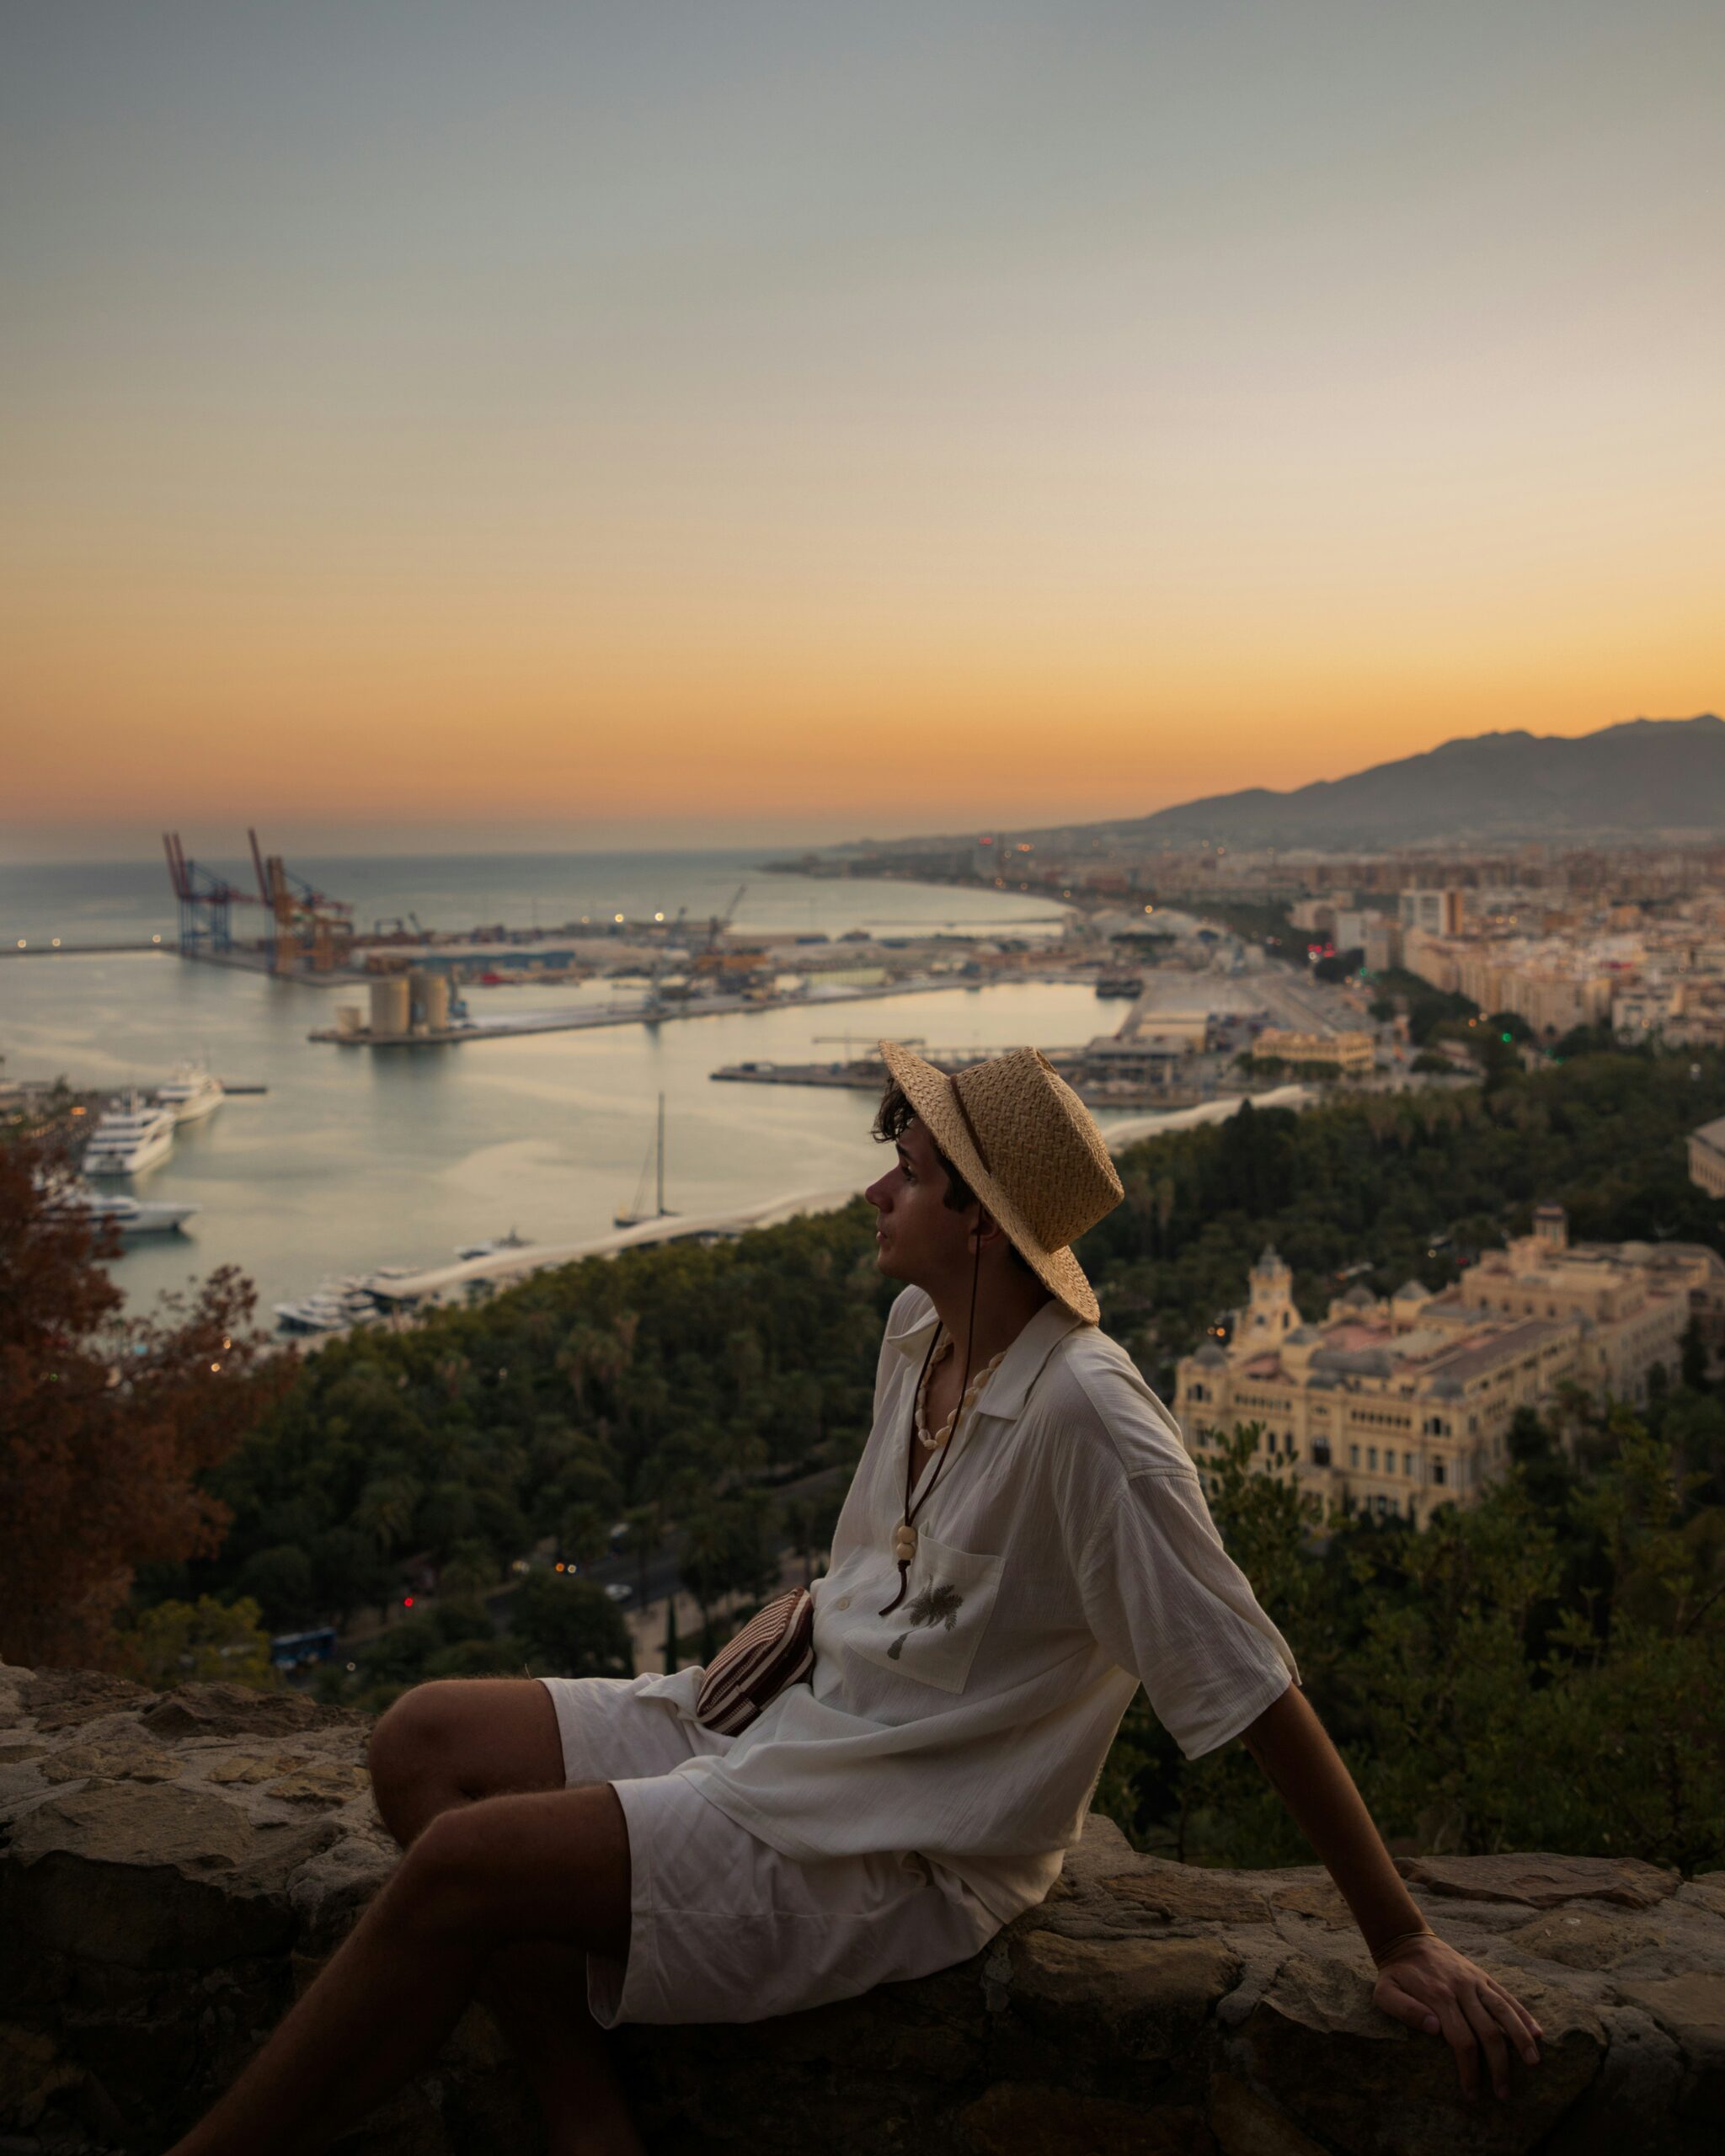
(930, 1092)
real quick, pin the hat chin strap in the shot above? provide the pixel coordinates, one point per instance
(910, 1511)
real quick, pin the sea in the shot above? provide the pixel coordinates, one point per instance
(354, 1160)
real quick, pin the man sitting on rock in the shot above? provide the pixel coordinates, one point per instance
(1024, 1542)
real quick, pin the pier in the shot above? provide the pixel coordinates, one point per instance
(513, 1264)
(651, 1012)
(52, 947)
(867, 1073)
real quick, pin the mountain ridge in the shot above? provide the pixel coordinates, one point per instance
(1637, 778)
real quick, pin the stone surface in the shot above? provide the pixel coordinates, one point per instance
(1246, 2124)
(1027, 2118)
(1181, 1893)
(232, 1711)
(173, 1867)
(1580, 1939)
(1691, 2009)
(1136, 1999)
(1542, 1881)
(61, 1699)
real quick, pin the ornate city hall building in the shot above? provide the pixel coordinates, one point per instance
(1395, 1405)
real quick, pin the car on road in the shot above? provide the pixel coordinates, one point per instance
(618, 1592)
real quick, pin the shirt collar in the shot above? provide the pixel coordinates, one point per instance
(1007, 1390)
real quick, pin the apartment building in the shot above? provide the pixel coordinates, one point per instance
(1553, 988)
(1435, 912)
(1383, 943)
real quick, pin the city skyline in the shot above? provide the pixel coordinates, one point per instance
(535, 427)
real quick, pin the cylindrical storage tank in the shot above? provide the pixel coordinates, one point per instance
(349, 1018)
(390, 1004)
(431, 998)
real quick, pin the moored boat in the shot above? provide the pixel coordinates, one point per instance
(131, 1134)
(330, 1308)
(130, 1215)
(191, 1093)
(512, 1240)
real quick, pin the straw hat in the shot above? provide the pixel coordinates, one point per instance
(1030, 1149)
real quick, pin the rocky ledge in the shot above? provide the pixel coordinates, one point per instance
(173, 1865)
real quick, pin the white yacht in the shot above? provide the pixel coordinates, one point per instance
(331, 1309)
(512, 1240)
(192, 1093)
(131, 1134)
(129, 1214)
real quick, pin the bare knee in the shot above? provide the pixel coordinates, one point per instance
(413, 1756)
(443, 1874)
(553, 1867)
(456, 1740)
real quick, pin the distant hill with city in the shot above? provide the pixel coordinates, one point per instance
(1645, 775)
(1645, 778)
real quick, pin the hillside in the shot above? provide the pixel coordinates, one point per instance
(1643, 779)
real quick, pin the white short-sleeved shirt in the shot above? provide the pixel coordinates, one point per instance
(1066, 1556)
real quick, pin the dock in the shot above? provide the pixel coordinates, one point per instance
(52, 947)
(862, 1074)
(867, 1075)
(651, 1012)
(514, 1264)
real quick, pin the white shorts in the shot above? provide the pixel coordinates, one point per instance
(722, 1927)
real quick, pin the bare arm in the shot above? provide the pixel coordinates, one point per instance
(1422, 1980)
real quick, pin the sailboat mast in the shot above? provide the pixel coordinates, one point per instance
(661, 1156)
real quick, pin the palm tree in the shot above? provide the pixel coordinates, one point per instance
(705, 1564)
(645, 1530)
(385, 1509)
(582, 1535)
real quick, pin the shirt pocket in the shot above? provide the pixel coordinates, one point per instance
(934, 1633)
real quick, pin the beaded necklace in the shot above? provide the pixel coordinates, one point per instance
(948, 1429)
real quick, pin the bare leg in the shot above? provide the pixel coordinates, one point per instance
(453, 1744)
(476, 1881)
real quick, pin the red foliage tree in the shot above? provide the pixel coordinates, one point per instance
(106, 1420)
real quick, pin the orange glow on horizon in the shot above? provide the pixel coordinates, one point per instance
(840, 424)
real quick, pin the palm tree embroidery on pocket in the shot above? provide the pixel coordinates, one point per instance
(934, 1605)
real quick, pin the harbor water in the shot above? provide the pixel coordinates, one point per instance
(356, 1158)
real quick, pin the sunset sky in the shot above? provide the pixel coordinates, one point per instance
(734, 421)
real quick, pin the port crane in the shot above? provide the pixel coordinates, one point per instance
(716, 924)
(715, 959)
(312, 932)
(206, 903)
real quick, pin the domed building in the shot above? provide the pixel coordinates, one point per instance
(1397, 1404)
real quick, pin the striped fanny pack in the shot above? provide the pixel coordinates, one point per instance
(775, 1648)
